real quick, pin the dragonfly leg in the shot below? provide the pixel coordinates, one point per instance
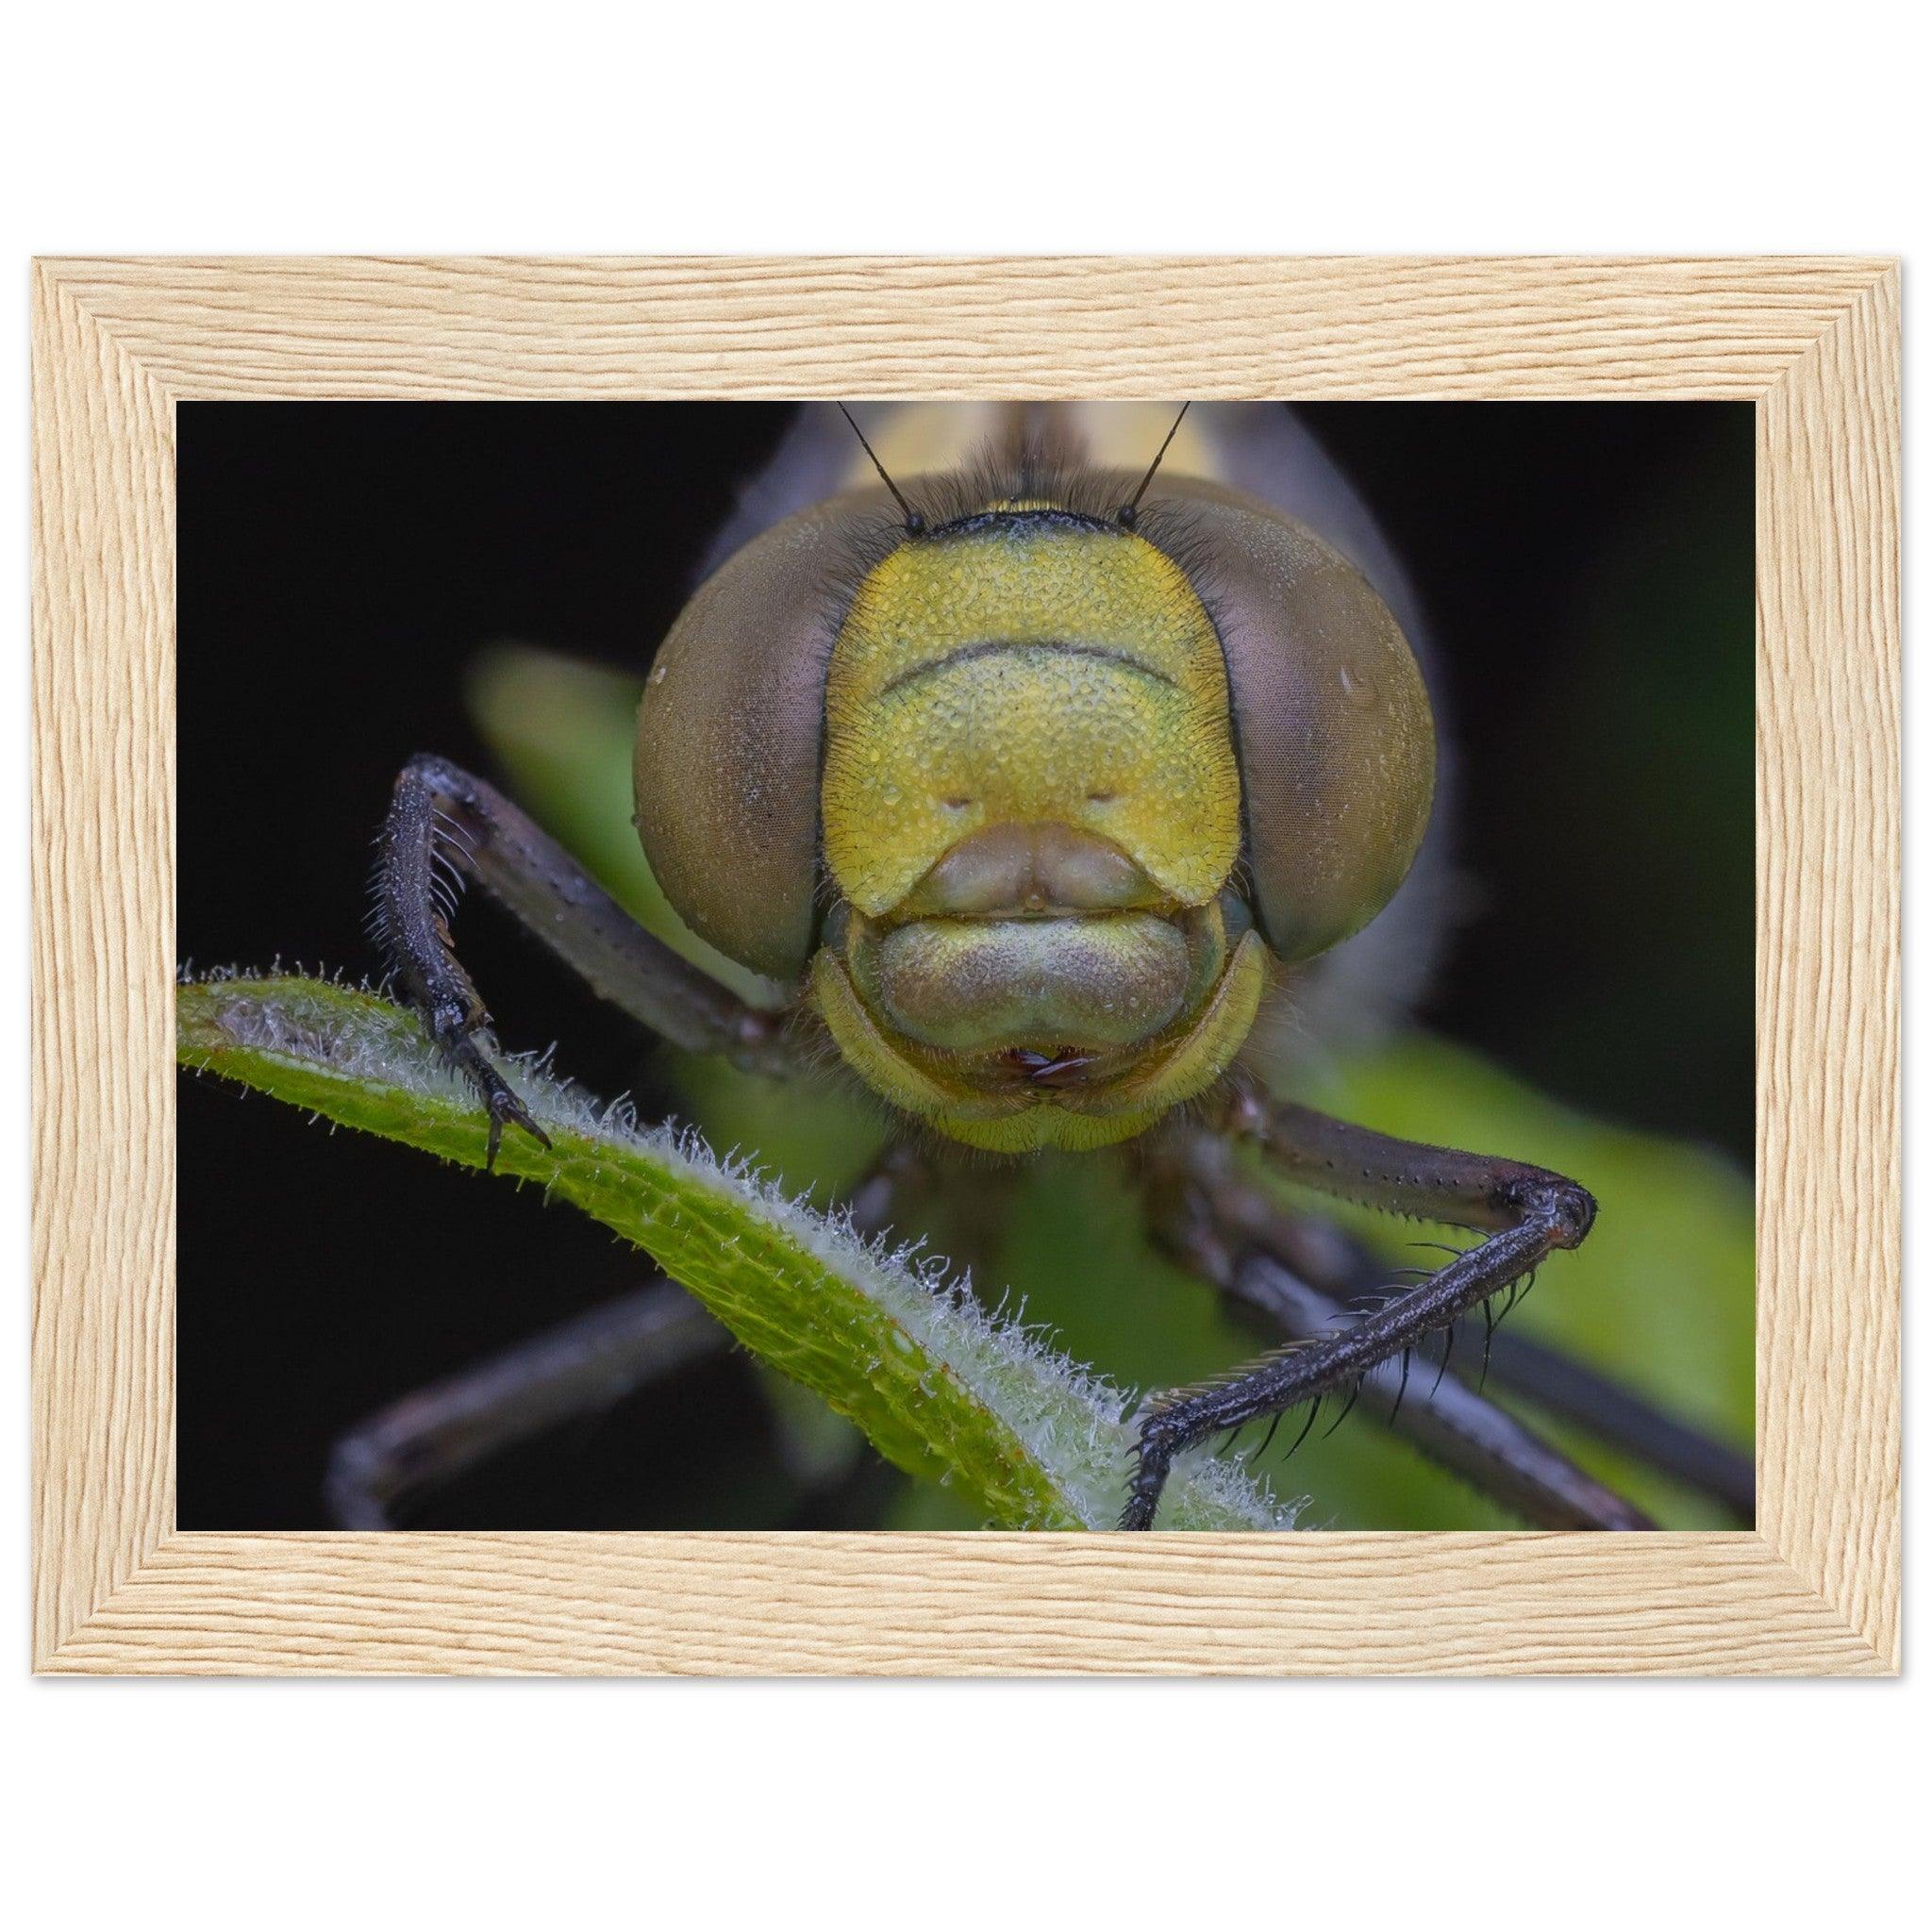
(1303, 1280)
(588, 1363)
(1337, 1266)
(1527, 1213)
(445, 826)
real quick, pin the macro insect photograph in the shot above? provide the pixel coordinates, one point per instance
(883, 965)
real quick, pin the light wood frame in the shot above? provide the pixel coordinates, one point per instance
(1814, 344)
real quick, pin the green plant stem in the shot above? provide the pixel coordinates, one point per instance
(887, 1338)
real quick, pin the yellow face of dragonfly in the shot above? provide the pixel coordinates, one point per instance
(1030, 808)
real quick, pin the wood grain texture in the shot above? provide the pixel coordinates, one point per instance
(102, 871)
(1828, 1051)
(857, 325)
(931, 1604)
(1814, 341)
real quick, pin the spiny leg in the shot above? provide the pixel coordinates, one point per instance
(445, 825)
(1527, 1211)
(1344, 1270)
(1499, 1456)
(1299, 1278)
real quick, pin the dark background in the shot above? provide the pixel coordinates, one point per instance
(341, 563)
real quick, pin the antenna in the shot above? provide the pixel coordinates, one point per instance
(914, 521)
(1128, 509)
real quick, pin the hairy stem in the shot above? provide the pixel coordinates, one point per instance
(888, 1338)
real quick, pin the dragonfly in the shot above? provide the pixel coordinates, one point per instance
(1072, 774)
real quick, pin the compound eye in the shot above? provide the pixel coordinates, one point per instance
(727, 771)
(1332, 724)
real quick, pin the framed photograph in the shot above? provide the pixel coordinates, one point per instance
(1217, 983)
